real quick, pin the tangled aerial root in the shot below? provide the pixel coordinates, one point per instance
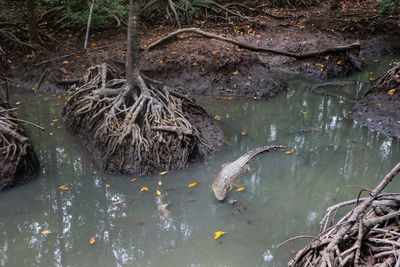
(18, 161)
(368, 235)
(133, 134)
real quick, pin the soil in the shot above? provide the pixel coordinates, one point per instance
(199, 65)
(18, 162)
(379, 109)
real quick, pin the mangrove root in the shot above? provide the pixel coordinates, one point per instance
(368, 235)
(132, 133)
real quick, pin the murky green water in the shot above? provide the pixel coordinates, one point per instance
(287, 194)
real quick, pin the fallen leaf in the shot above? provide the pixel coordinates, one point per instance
(391, 92)
(235, 72)
(240, 189)
(289, 152)
(217, 117)
(195, 64)
(368, 119)
(192, 184)
(190, 199)
(117, 202)
(65, 62)
(63, 155)
(134, 179)
(158, 192)
(92, 240)
(159, 183)
(244, 133)
(51, 134)
(63, 187)
(107, 185)
(144, 189)
(45, 232)
(378, 104)
(339, 62)
(17, 103)
(162, 173)
(218, 234)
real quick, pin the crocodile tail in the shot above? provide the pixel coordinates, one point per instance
(263, 149)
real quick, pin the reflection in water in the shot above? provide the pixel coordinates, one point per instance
(287, 194)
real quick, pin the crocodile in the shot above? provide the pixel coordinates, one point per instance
(231, 171)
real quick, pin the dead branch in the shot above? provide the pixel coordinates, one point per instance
(253, 47)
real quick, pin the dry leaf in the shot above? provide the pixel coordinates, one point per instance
(134, 179)
(45, 232)
(144, 189)
(240, 189)
(63, 187)
(190, 199)
(107, 185)
(391, 92)
(158, 192)
(192, 184)
(217, 117)
(117, 202)
(92, 240)
(235, 72)
(218, 234)
(162, 173)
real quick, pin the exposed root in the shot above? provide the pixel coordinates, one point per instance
(368, 235)
(18, 162)
(389, 79)
(134, 134)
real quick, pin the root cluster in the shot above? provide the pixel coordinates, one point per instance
(389, 79)
(368, 235)
(17, 158)
(132, 133)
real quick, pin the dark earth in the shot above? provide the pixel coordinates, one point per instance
(198, 65)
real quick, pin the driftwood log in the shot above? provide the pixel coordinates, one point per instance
(368, 235)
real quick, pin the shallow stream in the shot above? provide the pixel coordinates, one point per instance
(287, 194)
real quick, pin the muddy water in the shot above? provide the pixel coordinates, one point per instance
(286, 194)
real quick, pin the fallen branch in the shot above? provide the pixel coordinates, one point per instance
(252, 47)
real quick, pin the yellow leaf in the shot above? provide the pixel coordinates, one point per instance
(248, 83)
(192, 184)
(159, 183)
(218, 234)
(63, 155)
(244, 133)
(144, 189)
(51, 134)
(370, 78)
(398, 122)
(235, 72)
(378, 104)
(128, 116)
(158, 192)
(45, 232)
(55, 120)
(65, 62)
(17, 103)
(240, 189)
(117, 202)
(162, 173)
(289, 152)
(92, 240)
(107, 185)
(339, 62)
(368, 119)
(134, 179)
(63, 187)
(391, 92)
(156, 121)
(195, 64)
(217, 117)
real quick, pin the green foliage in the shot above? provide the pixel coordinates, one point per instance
(388, 6)
(76, 12)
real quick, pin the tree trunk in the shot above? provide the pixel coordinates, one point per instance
(133, 47)
(32, 22)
